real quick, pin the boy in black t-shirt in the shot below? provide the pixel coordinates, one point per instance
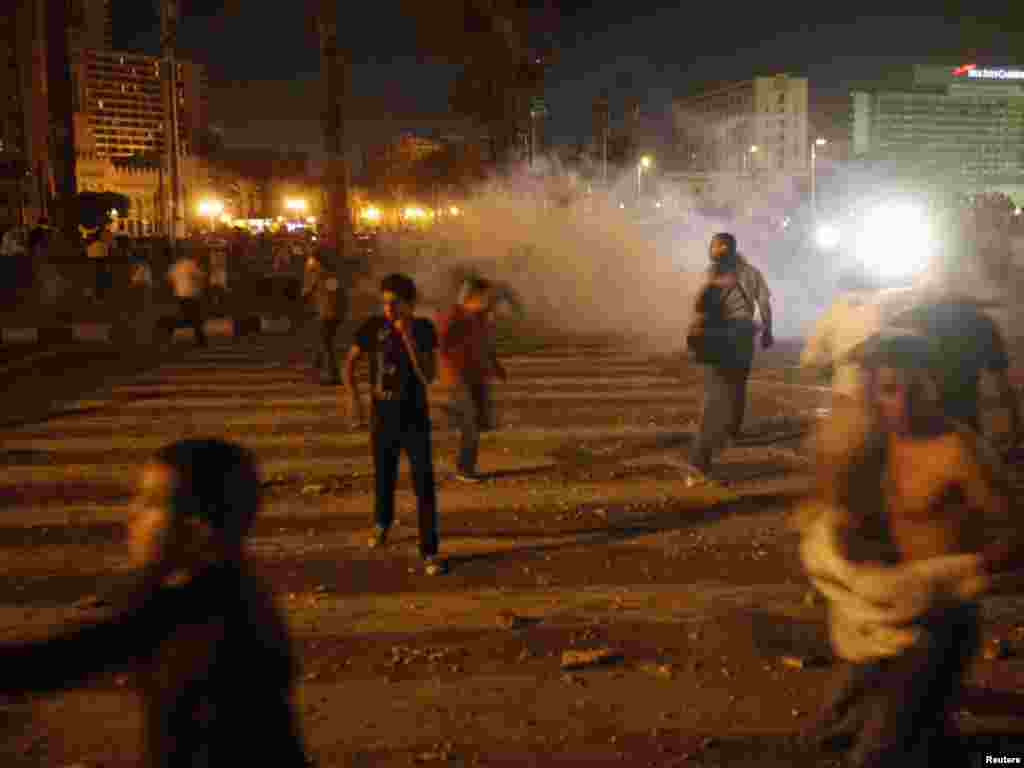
(401, 350)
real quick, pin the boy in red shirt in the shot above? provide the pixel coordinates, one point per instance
(468, 363)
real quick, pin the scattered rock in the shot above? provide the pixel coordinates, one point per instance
(90, 602)
(804, 662)
(510, 620)
(591, 658)
(997, 650)
(660, 671)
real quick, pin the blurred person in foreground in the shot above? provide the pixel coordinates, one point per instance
(323, 289)
(402, 353)
(855, 315)
(734, 294)
(208, 648)
(468, 363)
(967, 345)
(894, 537)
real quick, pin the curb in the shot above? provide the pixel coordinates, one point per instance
(92, 332)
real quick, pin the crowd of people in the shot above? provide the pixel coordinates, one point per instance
(896, 534)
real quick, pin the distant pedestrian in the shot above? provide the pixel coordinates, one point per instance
(218, 276)
(323, 289)
(402, 350)
(203, 641)
(13, 254)
(468, 363)
(98, 252)
(140, 281)
(188, 281)
(737, 290)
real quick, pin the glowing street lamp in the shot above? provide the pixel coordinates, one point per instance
(296, 204)
(819, 142)
(827, 236)
(645, 164)
(212, 209)
(747, 156)
(371, 214)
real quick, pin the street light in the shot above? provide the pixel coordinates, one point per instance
(644, 164)
(819, 142)
(295, 204)
(211, 208)
(746, 157)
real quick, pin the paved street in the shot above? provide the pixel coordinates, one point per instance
(584, 537)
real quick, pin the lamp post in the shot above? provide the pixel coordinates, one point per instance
(819, 142)
(747, 164)
(297, 205)
(644, 164)
(212, 209)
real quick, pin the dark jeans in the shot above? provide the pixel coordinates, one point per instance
(900, 706)
(325, 359)
(104, 279)
(192, 314)
(389, 437)
(469, 412)
(725, 400)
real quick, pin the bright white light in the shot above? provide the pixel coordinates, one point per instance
(827, 236)
(786, 222)
(622, 205)
(894, 241)
(211, 208)
(658, 204)
(1016, 212)
(821, 142)
(295, 204)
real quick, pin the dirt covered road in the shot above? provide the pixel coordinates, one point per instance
(583, 539)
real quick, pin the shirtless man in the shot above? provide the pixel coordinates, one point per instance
(911, 495)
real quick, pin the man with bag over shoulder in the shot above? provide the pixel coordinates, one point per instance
(723, 339)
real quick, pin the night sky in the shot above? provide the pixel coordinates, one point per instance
(263, 61)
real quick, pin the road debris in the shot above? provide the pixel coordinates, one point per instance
(589, 658)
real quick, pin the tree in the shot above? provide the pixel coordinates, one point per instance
(94, 208)
(501, 68)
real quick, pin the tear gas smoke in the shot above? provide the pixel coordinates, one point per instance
(590, 260)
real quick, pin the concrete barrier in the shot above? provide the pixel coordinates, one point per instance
(155, 328)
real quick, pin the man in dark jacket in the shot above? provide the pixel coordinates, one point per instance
(742, 291)
(323, 289)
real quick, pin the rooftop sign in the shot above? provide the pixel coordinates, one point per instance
(973, 73)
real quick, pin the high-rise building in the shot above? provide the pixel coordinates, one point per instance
(121, 106)
(755, 125)
(92, 24)
(964, 125)
(25, 169)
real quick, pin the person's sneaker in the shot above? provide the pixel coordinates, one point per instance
(379, 538)
(435, 566)
(469, 477)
